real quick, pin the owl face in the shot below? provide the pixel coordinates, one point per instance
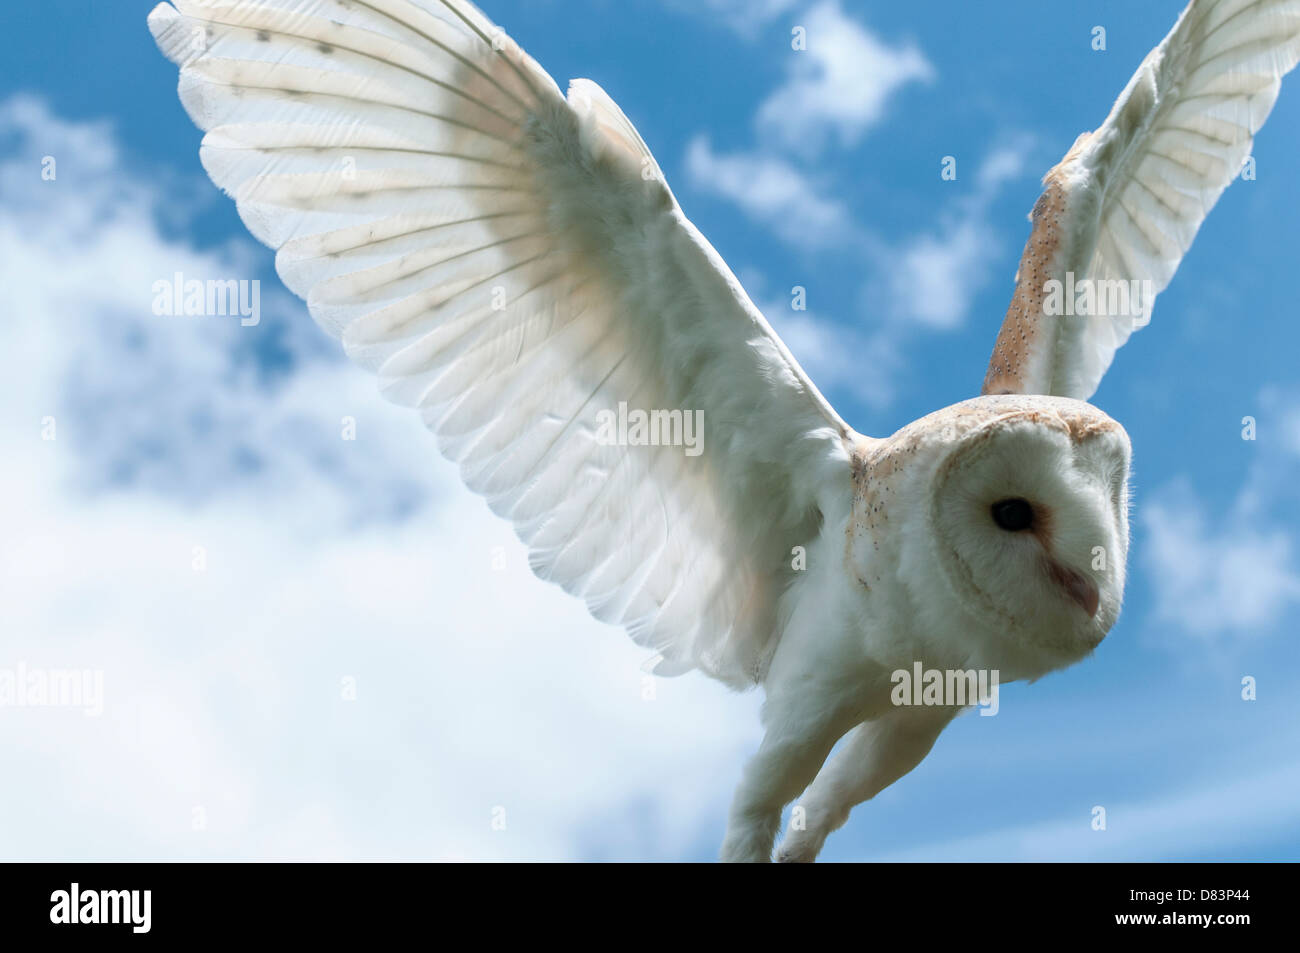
(1025, 503)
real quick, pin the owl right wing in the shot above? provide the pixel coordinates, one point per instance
(1122, 208)
(511, 264)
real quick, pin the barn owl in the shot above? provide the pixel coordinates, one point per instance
(510, 261)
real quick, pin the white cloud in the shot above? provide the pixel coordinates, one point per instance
(840, 359)
(325, 559)
(836, 87)
(1004, 164)
(839, 86)
(929, 280)
(1234, 579)
(933, 278)
(744, 17)
(774, 193)
(1232, 572)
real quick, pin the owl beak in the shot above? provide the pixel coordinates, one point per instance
(1078, 587)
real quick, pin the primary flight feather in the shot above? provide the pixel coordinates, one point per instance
(510, 262)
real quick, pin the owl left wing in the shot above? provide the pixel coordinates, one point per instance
(511, 263)
(1122, 208)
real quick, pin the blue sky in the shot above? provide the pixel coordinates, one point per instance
(224, 733)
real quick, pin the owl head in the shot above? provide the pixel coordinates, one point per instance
(1020, 528)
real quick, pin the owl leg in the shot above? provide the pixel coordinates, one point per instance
(796, 744)
(875, 755)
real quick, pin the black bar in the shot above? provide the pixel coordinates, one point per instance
(373, 902)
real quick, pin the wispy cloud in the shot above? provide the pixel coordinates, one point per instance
(774, 193)
(744, 17)
(838, 87)
(860, 362)
(1234, 573)
(1215, 578)
(933, 278)
(835, 89)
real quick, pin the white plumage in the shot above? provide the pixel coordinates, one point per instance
(511, 263)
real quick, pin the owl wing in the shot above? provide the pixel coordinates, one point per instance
(1120, 211)
(511, 263)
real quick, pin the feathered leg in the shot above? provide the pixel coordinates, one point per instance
(798, 739)
(876, 754)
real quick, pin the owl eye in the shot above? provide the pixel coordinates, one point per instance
(1013, 515)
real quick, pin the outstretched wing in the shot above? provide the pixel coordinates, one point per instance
(1120, 211)
(512, 264)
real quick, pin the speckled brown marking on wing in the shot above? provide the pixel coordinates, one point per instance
(1023, 338)
(1025, 341)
